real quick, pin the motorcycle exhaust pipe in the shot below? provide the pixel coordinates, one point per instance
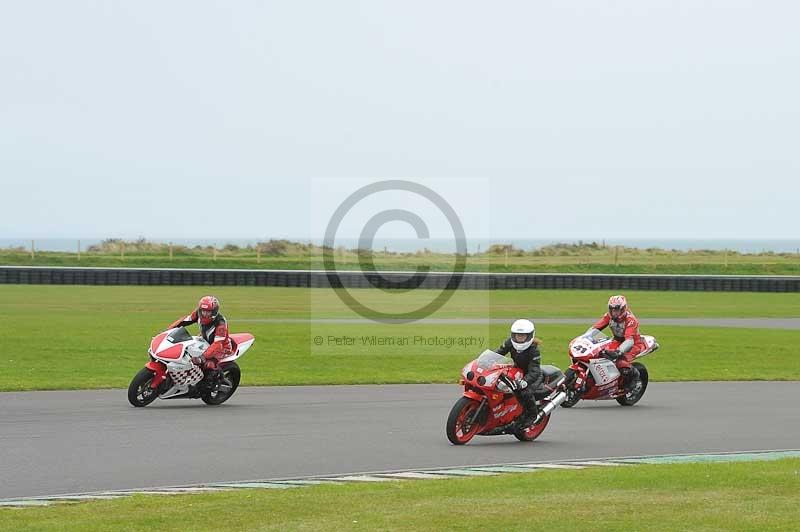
(552, 404)
(556, 386)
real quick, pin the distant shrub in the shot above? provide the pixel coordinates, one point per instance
(274, 247)
(139, 246)
(501, 249)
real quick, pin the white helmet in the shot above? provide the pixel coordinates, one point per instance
(525, 327)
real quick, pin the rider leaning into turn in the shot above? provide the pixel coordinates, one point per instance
(627, 341)
(213, 329)
(524, 350)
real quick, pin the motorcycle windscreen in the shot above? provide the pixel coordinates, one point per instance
(597, 338)
(179, 335)
(603, 371)
(489, 359)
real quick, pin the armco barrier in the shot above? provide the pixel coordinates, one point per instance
(320, 278)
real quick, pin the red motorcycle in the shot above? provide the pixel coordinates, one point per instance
(490, 407)
(593, 376)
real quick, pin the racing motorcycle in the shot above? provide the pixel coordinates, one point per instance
(171, 374)
(489, 406)
(594, 376)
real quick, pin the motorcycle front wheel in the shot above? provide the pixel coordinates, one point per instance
(140, 393)
(459, 431)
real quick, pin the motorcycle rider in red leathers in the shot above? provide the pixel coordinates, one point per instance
(213, 329)
(627, 341)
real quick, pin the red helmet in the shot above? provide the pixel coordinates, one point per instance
(207, 309)
(618, 308)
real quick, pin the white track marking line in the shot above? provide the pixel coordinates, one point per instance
(464, 472)
(421, 475)
(551, 466)
(246, 485)
(359, 478)
(597, 463)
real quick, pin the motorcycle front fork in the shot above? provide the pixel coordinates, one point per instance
(478, 412)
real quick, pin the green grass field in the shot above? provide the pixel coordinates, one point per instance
(67, 337)
(721, 496)
(166, 303)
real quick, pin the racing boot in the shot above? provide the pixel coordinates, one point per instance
(529, 414)
(211, 375)
(632, 382)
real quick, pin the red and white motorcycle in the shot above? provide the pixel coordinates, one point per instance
(593, 376)
(171, 374)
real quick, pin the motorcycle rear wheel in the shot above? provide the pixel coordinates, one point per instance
(140, 393)
(633, 398)
(231, 372)
(463, 408)
(532, 432)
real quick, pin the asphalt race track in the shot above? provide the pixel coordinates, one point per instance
(69, 442)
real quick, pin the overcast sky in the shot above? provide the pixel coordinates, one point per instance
(638, 119)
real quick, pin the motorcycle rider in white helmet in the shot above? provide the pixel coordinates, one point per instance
(524, 350)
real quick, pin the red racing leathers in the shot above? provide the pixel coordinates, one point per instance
(626, 337)
(215, 333)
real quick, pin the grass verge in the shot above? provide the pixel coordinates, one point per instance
(72, 337)
(166, 303)
(710, 496)
(84, 351)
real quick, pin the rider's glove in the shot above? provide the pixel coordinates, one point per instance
(613, 355)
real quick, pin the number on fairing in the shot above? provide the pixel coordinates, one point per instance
(581, 346)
